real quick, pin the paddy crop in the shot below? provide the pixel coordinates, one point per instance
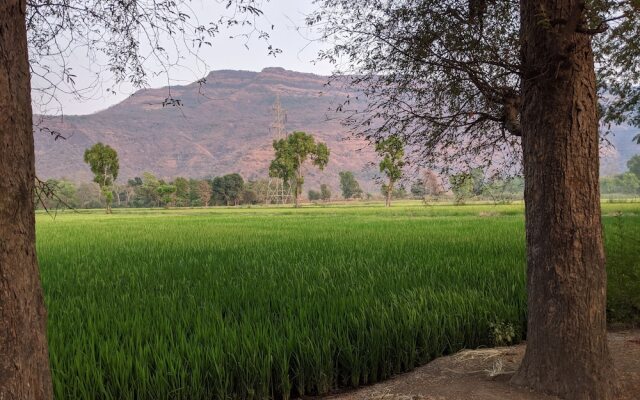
(261, 303)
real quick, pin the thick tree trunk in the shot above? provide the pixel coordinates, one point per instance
(567, 351)
(24, 361)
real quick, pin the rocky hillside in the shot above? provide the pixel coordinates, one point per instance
(223, 126)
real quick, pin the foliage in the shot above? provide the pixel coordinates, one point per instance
(455, 94)
(167, 194)
(349, 185)
(623, 267)
(634, 165)
(462, 185)
(391, 150)
(418, 190)
(239, 304)
(103, 161)
(291, 153)
(325, 192)
(398, 192)
(502, 333)
(627, 183)
(227, 189)
(313, 195)
(182, 192)
(203, 193)
(504, 190)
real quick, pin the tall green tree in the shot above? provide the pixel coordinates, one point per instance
(233, 186)
(291, 154)
(227, 189)
(391, 149)
(349, 185)
(103, 161)
(511, 81)
(182, 192)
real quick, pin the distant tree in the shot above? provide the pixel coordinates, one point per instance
(147, 193)
(260, 187)
(103, 161)
(249, 195)
(391, 150)
(627, 183)
(397, 193)
(314, 195)
(325, 192)
(503, 190)
(227, 189)
(167, 194)
(218, 192)
(182, 192)
(634, 164)
(64, 195)
(233, 186)
(418, 190)
(204, 192)
(291, 153)
(432, 184)
(349, 185)
(478, 179)
(88, 195)
(461, 186)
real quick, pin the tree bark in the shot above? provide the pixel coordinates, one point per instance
(389, 192)
(24, 360)
(567, 351)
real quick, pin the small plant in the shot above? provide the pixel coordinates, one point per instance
(502, 333)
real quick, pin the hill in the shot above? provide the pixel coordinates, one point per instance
(223, 126)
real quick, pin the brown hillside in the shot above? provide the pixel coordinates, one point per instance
(222, 127)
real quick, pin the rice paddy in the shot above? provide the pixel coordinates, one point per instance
(258, 303)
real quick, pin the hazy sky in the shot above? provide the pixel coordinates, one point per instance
(289, 34)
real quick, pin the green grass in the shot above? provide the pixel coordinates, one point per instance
(254, 303)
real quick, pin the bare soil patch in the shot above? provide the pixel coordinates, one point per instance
(484, 374)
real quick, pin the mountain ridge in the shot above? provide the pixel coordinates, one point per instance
(223, 126)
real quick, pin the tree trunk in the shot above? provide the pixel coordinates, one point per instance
(24, 360)
(298, 186)
(389, 191)
(567, 351)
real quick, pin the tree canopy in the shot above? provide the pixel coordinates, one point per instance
(103, 161)
(291, 153)
(455, 95)
(391, 150)
(349, 185)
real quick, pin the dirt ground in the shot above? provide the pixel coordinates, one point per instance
(484, 375)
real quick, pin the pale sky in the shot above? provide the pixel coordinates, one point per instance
(289, 34)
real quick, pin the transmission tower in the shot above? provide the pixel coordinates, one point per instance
(278, 191)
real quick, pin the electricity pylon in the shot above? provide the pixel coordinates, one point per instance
(278, 191)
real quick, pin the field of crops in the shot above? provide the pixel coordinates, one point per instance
(274, 302)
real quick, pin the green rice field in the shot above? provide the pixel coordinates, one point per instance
(258, 303)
